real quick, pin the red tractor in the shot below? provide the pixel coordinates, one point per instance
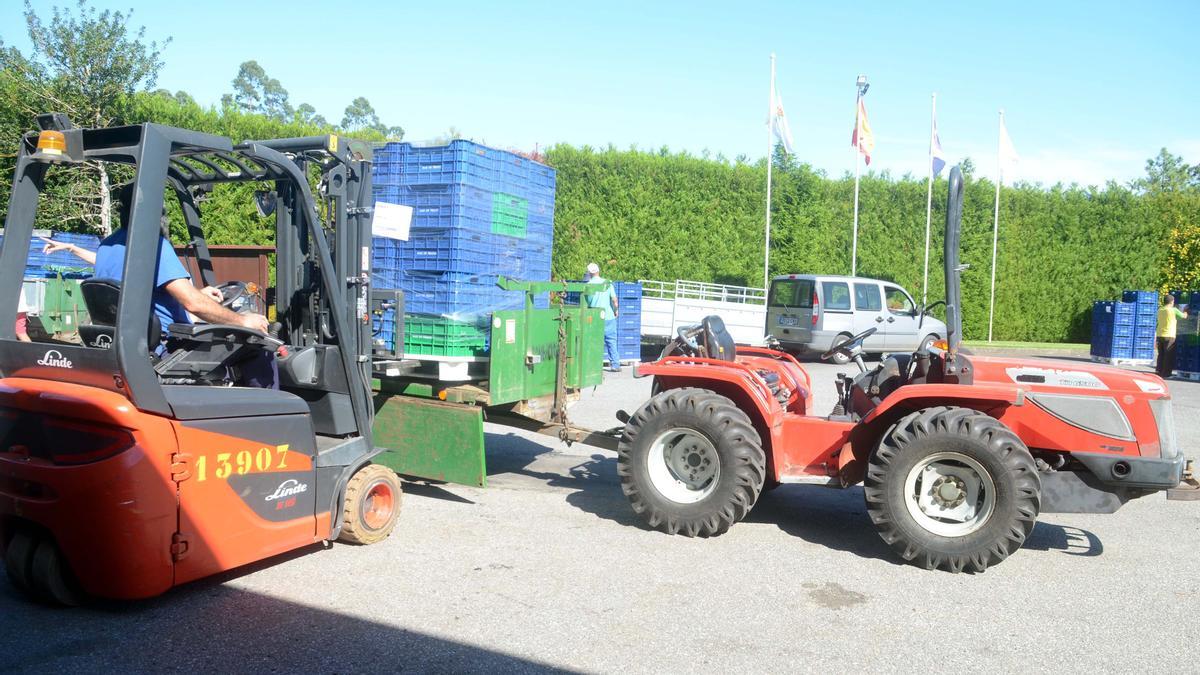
(958, 454)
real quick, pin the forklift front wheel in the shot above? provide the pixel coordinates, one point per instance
(372, 505)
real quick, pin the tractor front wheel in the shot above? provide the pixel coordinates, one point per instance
(372, 505)
(952, 488)
(691, 462)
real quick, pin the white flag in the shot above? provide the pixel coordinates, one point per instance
(779, 123)
(1008, 154)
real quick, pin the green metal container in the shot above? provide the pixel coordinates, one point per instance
(64, 308)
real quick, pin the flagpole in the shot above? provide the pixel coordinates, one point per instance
(770, 161)
(857, 167)
(929, 202)
(996, 221)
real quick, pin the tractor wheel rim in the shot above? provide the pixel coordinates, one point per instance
(683, 465)
(378, 505)
(950, 494)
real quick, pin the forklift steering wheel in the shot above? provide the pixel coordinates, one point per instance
(848, 345)
(239, 296)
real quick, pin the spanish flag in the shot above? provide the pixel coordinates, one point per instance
(862, 138)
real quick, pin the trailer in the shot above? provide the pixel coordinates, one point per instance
(668, 306)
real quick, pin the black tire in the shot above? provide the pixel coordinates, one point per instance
(52, 578)
(739, 456)
(840, 358)
(363, 518)
(18, 561)
(965, 433)
(927, 343)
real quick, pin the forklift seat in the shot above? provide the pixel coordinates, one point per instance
(102, 298)
(718, 343)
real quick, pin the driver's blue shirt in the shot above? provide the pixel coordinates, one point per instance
(110, 264)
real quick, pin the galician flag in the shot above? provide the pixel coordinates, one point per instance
(779, 123)
(862, 138)
(936, 156)
(1008, 154)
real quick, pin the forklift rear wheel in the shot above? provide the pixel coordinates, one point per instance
(691, 462)
(372, 505)
(952, 488)
(18, 561)
(52, 579)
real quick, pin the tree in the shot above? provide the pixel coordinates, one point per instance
(308, 115)
(87, 64)
(256, 92)
(360, 115)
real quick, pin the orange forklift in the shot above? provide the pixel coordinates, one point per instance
(129, 463)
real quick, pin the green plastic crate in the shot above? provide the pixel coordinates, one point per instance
(510, 215)
(438, 336)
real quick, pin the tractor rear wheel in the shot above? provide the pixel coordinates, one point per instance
(952, 488)
(372, 505)
(691, 462)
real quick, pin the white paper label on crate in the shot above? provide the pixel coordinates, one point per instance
(391, 221)
(366, 258)
(510, 331)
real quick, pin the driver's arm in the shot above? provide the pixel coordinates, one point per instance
(199, 303)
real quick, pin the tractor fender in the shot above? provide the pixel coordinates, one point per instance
(991, 400)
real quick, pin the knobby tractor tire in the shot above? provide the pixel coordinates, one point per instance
(967, 433)
(372, 505)
(738, 454)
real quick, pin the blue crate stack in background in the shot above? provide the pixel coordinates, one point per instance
(1187, 333)
(478, 213)
(629, 321)
(1124, 330)
(64, 264)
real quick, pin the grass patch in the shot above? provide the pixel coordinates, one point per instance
(1004, 344)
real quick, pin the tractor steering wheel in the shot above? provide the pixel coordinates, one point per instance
(848, 345)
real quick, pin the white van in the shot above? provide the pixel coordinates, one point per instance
(809, 312)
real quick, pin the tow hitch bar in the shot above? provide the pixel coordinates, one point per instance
(1188, 490)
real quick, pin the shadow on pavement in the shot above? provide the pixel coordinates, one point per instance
(1069, 540)
(432, 489)
(213, 628)
(833, 518)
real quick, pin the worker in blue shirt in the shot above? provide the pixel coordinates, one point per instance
(174, 295)
(606, 302)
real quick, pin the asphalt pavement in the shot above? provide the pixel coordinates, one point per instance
(548, 568)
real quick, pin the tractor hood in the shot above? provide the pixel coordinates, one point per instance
(1080, 376)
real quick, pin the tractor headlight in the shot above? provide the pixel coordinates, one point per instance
(1165, 419)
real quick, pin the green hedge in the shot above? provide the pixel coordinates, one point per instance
(668, 216)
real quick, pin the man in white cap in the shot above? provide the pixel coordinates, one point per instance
(606, 302)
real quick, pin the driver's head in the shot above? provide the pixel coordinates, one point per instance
(123, 196)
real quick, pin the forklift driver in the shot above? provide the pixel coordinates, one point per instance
(174, 295)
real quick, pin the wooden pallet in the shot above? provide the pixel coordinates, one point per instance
(1123, 362)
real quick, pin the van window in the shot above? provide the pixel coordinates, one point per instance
(791, 293)
(898, 301)
(866, 298)
(836, 295)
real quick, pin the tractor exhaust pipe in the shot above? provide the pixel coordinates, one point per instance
(953, 269)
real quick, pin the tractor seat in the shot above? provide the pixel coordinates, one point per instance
(717, 342)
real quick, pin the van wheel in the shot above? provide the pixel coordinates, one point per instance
(840, 358)
(927, 343)
(691, 463)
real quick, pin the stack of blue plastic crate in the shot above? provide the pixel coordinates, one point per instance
(629, 320)
(478, 213)
(1145, 322)
(1187, 333)
(1112, 329)
(40, 265)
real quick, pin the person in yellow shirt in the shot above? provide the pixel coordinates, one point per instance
(1168, 315)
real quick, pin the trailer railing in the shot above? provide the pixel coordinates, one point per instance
(699, 290)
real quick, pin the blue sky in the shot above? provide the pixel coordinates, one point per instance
(1090, 89)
